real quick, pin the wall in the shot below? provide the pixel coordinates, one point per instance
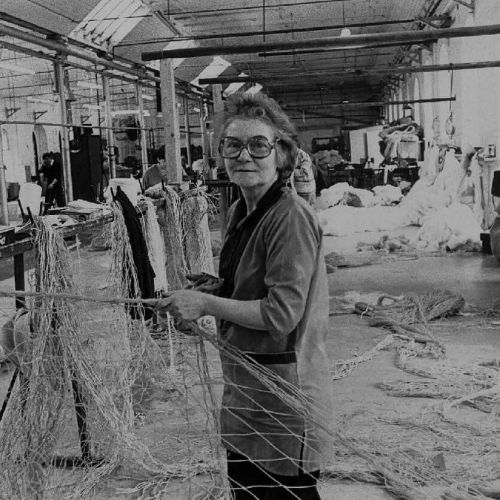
(476, 111)
(17, 143)
(364, 144)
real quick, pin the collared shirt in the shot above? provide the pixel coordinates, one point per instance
(283, 267)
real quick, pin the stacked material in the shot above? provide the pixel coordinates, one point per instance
(323, 158)
(387, 195)
(450, 228)
(344, 220)
(449, 215)
(336, 194)
(445, 202)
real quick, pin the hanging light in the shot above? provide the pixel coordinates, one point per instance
(345, 30)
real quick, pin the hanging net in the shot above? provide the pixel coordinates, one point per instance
(102, 406)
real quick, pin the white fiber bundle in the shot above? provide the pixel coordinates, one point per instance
(156, 246)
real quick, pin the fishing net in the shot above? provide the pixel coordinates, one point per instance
(197, 243)
(103, 409)
(169, 219)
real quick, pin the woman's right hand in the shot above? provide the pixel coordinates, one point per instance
(188, 305)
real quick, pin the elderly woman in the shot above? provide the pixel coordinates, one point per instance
(273, 306)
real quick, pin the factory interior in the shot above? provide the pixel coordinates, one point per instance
(119, 206)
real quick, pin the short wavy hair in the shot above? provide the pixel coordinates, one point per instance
(240, 106)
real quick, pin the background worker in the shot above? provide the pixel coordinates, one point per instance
(51, 176)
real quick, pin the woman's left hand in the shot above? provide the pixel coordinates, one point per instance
(188, 305)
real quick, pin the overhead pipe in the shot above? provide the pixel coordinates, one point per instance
(48, 57)
(316, 114)
(363, 104)
(67, 125)
(48, 33)
(356, 72)
(319, 50)
(405, 37)
(63, 48)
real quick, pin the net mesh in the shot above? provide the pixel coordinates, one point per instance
(101, 407)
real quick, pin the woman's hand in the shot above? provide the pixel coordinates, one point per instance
(188, 305)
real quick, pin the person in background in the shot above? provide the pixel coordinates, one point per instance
(303, 177)
(51, 175)
(157, 172)
(188, 171)
(272, 306)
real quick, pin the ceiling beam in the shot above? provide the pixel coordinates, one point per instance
(219, 36)
(238, 9)
(356, 72)
(405, 37)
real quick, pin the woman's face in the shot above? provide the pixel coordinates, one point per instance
(247, 172)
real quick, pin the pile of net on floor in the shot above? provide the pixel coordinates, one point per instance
(429, 444)
(126, 415)
(446, 202)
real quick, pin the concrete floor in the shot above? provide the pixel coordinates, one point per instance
(475, 276)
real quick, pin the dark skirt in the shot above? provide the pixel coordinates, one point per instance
(248, 481)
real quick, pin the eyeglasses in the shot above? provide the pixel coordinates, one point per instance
(257, 147)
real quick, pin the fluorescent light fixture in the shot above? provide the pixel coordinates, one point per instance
(92, 106)
(148, 97)
(125, 112)
(254, 89)
(40, 100)
(234, 87)
(213, 70)
(88, 85)
(15, 68)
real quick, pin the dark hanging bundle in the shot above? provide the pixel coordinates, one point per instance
(145, 273)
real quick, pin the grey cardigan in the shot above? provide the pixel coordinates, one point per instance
(283, 267)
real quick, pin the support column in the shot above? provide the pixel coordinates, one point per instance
(187, 131)
(4, 208)
(142, 124)
(170, 122)
(224, 192)
(203, 130)
(218, 117)
(64, 130)
(108, 122)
